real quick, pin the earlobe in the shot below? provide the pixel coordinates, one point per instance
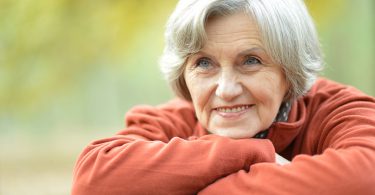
(288, 89)
(288, 94)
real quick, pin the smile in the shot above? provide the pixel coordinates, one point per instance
(233, 109)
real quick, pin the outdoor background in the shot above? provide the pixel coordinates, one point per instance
(70, 69)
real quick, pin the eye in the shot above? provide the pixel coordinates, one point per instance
(251, 61)
(203, 63)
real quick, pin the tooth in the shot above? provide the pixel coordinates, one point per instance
(233, 109)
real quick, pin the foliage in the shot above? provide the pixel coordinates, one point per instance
(69, 70)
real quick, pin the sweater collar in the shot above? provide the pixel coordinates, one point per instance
(282, 134)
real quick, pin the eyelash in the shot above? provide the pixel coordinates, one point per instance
(207, 60)
(252, 58)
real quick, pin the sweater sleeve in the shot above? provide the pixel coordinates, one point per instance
(344, 163)
(154, 155)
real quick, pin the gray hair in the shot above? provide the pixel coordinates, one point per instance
(286, 28)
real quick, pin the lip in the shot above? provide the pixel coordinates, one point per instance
(232, 115)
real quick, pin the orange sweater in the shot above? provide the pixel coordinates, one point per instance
(329, 136)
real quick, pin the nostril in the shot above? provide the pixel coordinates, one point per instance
(228, 90)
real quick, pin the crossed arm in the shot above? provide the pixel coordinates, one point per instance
(162, 152)
(181, 162)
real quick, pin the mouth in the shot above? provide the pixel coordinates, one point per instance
(232, 111)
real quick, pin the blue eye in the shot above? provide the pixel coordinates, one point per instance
(203, 63)
(251, 61)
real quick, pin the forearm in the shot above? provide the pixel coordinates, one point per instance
(177, 167)
(334, 172)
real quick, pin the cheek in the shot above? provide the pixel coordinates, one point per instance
(269, 95)
(273, 87)
(195, 89)
(263, 89)
(200, 95)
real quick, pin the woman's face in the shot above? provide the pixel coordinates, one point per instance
(235, 87)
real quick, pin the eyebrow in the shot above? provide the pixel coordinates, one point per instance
(242, 53)
(251, 50)
(202, 53)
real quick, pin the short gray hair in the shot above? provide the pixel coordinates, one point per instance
(287, 31)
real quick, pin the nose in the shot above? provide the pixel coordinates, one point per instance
(228, 86)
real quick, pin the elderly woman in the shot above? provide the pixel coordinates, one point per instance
(246, 74)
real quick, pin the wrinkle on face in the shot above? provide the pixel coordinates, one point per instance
(230, 82)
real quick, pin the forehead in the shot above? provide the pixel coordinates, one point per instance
(238, 28)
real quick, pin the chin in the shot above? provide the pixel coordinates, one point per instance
(235, 134)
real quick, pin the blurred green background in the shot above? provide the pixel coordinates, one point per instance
(70, 69)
